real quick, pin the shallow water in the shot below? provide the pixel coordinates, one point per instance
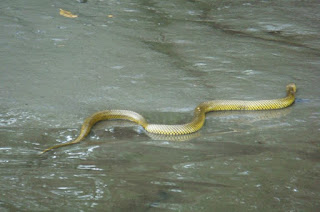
(158, 58)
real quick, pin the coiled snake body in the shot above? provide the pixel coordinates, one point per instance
(193, 126)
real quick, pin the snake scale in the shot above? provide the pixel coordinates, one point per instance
(193, 126)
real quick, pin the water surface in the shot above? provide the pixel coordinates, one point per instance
(158, 58)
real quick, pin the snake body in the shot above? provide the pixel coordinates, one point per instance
(194, 125)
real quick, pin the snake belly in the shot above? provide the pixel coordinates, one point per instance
(194, 125)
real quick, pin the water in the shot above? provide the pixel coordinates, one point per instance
(158, 58)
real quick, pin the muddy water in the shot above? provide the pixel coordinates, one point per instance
(158, 58)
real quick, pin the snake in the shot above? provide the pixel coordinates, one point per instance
(182, 129)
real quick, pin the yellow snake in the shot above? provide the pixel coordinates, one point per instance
(193, 126)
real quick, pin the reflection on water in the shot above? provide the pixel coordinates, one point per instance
(158, 58)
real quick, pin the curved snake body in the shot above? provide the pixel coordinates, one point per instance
(193, 126)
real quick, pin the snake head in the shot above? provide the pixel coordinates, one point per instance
(291, 88)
